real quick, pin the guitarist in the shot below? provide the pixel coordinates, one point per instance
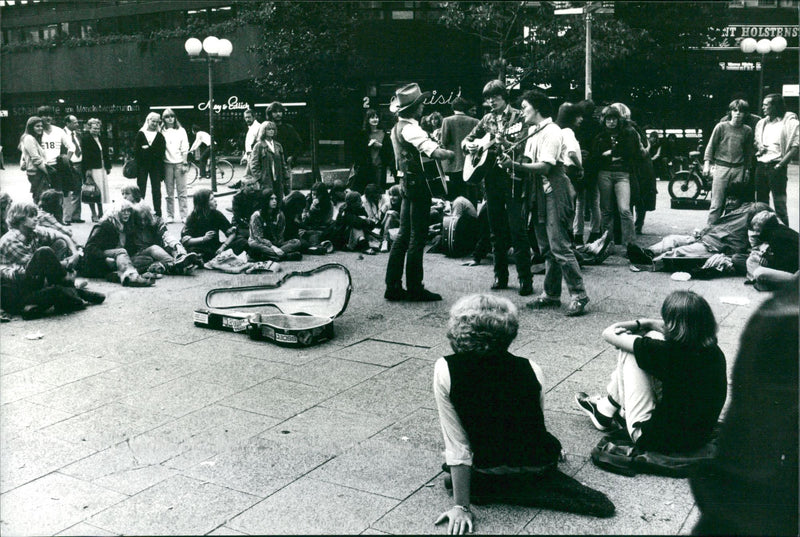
(505, 198)
(409, 141)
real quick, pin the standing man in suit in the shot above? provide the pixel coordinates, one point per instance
(506, 198)
(72, 198)
(454, 129)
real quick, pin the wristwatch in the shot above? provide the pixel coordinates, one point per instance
(464, 508)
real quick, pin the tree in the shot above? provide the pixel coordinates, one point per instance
(498, 25)
(308, 49)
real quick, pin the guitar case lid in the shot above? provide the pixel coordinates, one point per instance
(320, 292)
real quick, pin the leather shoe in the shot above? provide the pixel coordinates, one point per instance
(395, 294)
(526, 289)
(92, 297)
(499, 284)
(422, 295)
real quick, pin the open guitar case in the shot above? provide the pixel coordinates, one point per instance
(306, 303)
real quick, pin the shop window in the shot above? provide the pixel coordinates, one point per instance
(88, 29)
(50, 32)
(33, 35)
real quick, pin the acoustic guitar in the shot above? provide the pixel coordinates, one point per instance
(478, 163)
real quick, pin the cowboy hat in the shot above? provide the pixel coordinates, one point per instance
(407, 97)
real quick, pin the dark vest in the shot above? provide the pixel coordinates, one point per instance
(408, 160)
(497, 399)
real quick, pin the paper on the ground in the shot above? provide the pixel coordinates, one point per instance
(736, 300)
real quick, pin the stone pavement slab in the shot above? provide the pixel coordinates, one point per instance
(308, 506)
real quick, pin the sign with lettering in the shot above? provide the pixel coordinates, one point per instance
(232, 104)
(64, 109)
(732, 35)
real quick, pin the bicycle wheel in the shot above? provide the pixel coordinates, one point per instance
(224, 172)
(192, 173)
(685, 185)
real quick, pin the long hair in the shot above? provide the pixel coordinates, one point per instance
(32, 121)
(689, 320)
(262, 131)
(321, 191)
(568, 113)
(482, 323)
(201, 200)
(267, 213)
(113, 215)
(151, 115)
(168, 111)
(18, 211)
(293, 205)
(51, 202)
(371, 113)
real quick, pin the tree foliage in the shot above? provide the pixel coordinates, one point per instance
(307, 46)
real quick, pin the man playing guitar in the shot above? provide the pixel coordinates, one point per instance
(505, 197)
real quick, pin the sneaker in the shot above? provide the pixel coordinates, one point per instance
(328, 246)
(577, 307)
(157, 268)
(395, 294)
(422, 295)
(600, 421)
(543, 302)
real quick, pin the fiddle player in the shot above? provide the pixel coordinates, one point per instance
(554, 210)
(506, 198)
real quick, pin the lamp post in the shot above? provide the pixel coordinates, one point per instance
(763, 47)
(214, 50)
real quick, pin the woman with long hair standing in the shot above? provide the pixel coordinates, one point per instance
(175, 163)
(149, 150)
(372, 154)
(33, 158)
(268, 161)
(96, 165)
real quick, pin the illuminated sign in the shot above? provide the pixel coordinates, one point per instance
(232, 104)
(732, 35)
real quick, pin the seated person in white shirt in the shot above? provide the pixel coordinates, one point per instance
(497, 448)
(200, 149)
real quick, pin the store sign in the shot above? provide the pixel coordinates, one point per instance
(232, 104)
(435, 98)
(732, 35)
(64, 109)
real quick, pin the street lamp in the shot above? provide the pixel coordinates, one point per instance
(763, 47)
(215, 50)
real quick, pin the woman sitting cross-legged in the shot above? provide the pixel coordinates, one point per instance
(151, 248)
(352, 229)
(669, 384)
(105, 255)
(267, 227)
(203, 226)
(490, 403)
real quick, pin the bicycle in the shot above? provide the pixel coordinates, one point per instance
(691, 183)
(225, 171)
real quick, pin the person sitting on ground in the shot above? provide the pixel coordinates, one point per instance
(50, 216)
(5, 203)
(389, 217)
(36, 272)
(371, 201)
(490, 405)
(317, 221)
(293, 206)
(245, 203)
(201, 232)
(670, 382)
(337, 193)
(773, 260)
(352, 228)
(267, 227)
(152, 250)
(105, 254)
(728, 236)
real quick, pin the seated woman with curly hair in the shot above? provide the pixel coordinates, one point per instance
(490, 403)
(105, 255)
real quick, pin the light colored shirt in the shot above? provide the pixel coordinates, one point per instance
(251, 136)
(457, 449)
(771, 140)
(177, 143)
(53, 141)
(571, 154)
(546, 145)
(75, 138)
(202, 137)
(149, 135)
(416, 136)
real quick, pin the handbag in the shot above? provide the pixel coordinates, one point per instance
(130, 169)
(90, 193)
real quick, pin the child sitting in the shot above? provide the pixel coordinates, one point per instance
(669, 384)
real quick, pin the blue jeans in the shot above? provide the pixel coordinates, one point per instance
(560, 262)
(723, 176)
(508, 217)
(619, 183)
(409, 246)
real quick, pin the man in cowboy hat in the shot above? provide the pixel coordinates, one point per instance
(409, 141)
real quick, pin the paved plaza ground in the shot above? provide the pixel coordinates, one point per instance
(126, 419)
